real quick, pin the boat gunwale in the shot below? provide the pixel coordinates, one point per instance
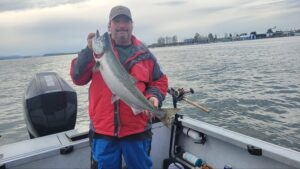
(278, 153)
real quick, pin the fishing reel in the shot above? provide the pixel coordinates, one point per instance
(178, 94)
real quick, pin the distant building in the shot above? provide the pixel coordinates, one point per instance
(269, 34)
(235, 37)
(261, 36)
(288, 33)
(278, 34)
(297, 32)
(191, 40)
(244, 36)
(253, 35)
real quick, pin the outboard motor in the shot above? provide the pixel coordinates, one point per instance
(50, 105)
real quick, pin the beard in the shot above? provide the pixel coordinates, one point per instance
(122, 36)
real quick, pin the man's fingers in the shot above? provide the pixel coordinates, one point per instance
(154, 101)
(89, 40)
(148, 114)
(151, 115)
(91, 35)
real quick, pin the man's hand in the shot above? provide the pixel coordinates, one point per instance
(89, 40)
(154, 102)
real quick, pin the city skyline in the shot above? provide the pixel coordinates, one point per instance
(41, 26)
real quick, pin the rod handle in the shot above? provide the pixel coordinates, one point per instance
(203, 108)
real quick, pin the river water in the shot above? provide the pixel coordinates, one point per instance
(251, 87)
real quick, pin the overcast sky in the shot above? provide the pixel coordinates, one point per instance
(35, 27)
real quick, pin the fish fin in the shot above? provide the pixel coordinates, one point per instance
(96, 66)
(97, 34)
(168, 119)
(136, 110)
(114, 98)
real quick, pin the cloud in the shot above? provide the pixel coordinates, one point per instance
(16, 5)
(291, 4)
(209, 10)
(171, 3)
(46, 30)
(268, 5)
(37, 27)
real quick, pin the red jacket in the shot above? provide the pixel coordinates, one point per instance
(118, 119)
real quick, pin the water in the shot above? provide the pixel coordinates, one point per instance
(251, 87)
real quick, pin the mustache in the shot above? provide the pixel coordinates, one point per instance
(122, 30)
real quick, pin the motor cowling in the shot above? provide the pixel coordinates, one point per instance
(50, 105)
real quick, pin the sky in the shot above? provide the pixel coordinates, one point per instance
(36, 27)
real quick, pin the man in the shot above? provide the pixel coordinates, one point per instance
(117, 131)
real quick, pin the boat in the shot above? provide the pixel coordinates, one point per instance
(189, 143)
(218, 147)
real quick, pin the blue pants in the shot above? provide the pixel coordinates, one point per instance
(108, 153)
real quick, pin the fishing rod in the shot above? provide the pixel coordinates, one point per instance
(179, 94)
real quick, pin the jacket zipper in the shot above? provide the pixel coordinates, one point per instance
(116, 118)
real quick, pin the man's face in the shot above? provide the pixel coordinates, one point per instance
(121, 30)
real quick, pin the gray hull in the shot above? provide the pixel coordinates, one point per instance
(222, 147)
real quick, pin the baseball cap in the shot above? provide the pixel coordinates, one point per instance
(119, 10)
